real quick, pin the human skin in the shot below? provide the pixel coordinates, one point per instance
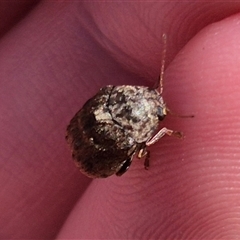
(57, 57)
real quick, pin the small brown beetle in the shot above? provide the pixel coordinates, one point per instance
(116, 124)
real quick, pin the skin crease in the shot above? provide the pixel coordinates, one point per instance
(57, 57)
(12, 11)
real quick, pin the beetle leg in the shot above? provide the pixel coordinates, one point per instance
(143, 152)
(161, 133)
(125, 166)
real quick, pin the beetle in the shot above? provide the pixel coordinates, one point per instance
(116, 124)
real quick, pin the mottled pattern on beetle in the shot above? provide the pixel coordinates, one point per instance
(99, 146)
(136, 109)
(110, 129)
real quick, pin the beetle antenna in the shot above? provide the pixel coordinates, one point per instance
(177, 115)
(164, 39)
